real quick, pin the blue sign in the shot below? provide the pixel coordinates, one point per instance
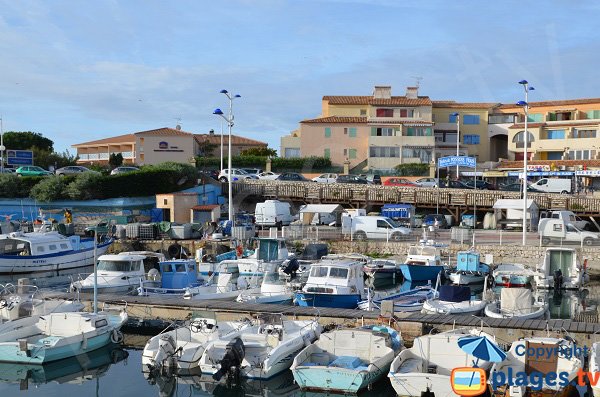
(19, 157)
(461, 161)
(542, 173)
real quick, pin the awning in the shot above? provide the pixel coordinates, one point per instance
(513, 204)
(322, 208)
(494, 174)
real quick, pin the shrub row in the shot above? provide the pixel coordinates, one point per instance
(303, 164)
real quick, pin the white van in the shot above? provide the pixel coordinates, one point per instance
(273, 213)
(567, 217)
(375, 227)
(557, 230)
(553, 185)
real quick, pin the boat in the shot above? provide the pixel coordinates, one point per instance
(56, 336)
(346, 360)
(382, 269)
(423, 262)
(561, 356)
(469, 269)
(261, 351)
(226, 285)
(178, 351)
(454, 299)
(333, 282)
(267, 250)
(46, 251)
(116, 273)
(513, 275)
(176, 277)
(409, 299)
(594, 366)
(273, 289)
(425, 368)
(516, 303)
(561, 269)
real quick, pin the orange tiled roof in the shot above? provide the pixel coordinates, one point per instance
(338, 119)
(235, 140)
(369, 100)
(565, 102)
(567, 123)
(558, 163)
(127, 138)
(165, 131)
(464, 105)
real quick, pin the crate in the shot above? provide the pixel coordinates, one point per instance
(132, 230)
(181, 232)
(147, 231)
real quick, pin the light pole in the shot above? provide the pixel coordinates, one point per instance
(229, 120)
(525, 105)
(2, 148)
(455, 114)
(221, 169)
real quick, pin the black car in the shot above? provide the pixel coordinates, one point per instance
(517, 187)
(351, 179)
(453, 184)
(214, 174)
(479, 184)
(374, 179)
(292, 176)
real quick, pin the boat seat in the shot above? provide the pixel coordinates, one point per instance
(414, 364)
(347, 362)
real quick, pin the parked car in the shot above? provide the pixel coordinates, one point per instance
(123, 170)
(326, 178)
(517, 187)
(430, 220)
(553, 185)
(73, 170)
(237, 174)
(267, 175)
(399, 182)
(252, 171)
(453, 184)
(374, 179)
(479, 184)
(377, 227)
(32, 170)
(8, 171)
(214, 174)
(292, 176)
(427, 182)
(351, 179)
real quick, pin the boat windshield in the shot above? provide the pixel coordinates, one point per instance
(273, 278)
(319, 271)
(118, 266)
(337, 272)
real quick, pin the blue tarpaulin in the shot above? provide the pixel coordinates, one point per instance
(454, 293)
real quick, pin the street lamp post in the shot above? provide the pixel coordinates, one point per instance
(221, 169)
(525, 105)
(455, 114)
(2, 148)
(229, 119)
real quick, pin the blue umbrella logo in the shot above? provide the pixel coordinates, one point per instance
(482, 348)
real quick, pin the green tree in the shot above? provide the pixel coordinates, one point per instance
(26, 140)
(45, 159)
(259, 151)
(206, 148)
(51, 188)
(115, 160)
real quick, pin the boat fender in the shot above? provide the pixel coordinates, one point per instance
(116, 336)
(3, 303)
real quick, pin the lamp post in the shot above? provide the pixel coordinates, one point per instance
(455, 114)
(2, 148)
(221, 169)
(525, 105)
(229, 119)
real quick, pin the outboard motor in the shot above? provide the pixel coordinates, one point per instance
(290, 267)
(165, 356)
(231, 362)
(558, 279)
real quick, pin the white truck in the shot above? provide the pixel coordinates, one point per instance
(557, 230)
(553, 185)
(273, 213)
(374, 227)
(567, 217)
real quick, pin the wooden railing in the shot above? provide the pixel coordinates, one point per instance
(344, 193)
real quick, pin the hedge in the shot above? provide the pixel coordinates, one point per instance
(412, 169)
(304, 164)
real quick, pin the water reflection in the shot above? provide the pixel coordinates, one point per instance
(51, 280)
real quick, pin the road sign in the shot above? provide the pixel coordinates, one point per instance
(19, 157)
(461, 161)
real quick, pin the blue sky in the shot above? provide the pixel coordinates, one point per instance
(82, 70)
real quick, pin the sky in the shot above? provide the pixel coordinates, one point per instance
(77, 71)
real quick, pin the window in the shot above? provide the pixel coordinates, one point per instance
(64, 246)
(442, 136)
(501, 119)
(555, 134)
(471, 119)
(165, 202)
(52, 247)
(382, 131)
(407, 112)
(519, 139)
(327, 132)
(560, 116)
(384, 151)
(318, 271)
(352, 132)
(166, 268)
(471, 139)
(101, 323)
(345, 131)
(385, 113)
(582, 154)
(451, 119)
(180, 268)
(577, 133)
(554, 155)
(418, 131)
(424, 155)
(337, 272)
(326, 153)
(292, 152)
(351, 153)
(534, 117)
(345, 152)
(383, 224)
(593, 114)
(363, 112)
(40, 249)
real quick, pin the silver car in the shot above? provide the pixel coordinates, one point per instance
(123, 170)
(72, 170)
(427, 182)
(325, 178)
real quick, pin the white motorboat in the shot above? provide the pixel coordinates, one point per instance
(423, 261)
(409, 299)
(273, 289)
(46, 251)
(454, 299)
(347, 360)
(179, 350)
(561, 269)
(428, 364)
(382, 269)
(227, 285)
(517, 303)
(260, 351)
(560, 356)
(116, 273)
(513, 275)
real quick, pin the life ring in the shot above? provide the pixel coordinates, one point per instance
(116, 336)
(239, 250)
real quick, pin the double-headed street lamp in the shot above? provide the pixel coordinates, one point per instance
(525, 105)
(455, 114)
(229, 119)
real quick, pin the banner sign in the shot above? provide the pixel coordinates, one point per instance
(542, 173)
(453, 161)
(19, 157)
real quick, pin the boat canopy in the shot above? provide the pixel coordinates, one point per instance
(516, 300)
(454, 293)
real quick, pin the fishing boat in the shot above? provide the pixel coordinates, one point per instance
(225, 284)
(454, 299)
(513, 275)
(333, 282)
(516, 303)
(267, 250)
(347, 360)
(116, 273)
(425, 368)
(178, 351)
(46, 251)
(261, 351)
(423, 261)
(273, 289)
(175, 277)
(469, 269)
(561, 356)
(410, 298)
(561, 269)
(382, 269)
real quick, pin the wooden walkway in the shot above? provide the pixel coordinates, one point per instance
(364, 195)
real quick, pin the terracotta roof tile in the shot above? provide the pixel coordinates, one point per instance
(235, 140)
(369, 100)
(207, 207)
(582, 101)
(165, 131)
(558, 163)
(127, 138)
(464, 105)
(568, 123)
(337, 119)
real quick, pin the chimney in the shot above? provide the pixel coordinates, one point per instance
(412, 92)
(211, 132)
(382, 92)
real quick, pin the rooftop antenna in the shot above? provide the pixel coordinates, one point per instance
(417, 80)
(178, 126)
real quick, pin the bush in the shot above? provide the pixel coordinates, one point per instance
(413, 169)
(50, 189)
(304, 164)
(85, 186)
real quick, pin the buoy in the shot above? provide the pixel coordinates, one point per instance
(116, 336)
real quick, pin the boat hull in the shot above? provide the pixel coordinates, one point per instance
(413, 384)
(443, 307)
(491, 311)
(342, 301)
(338, 380)
(420, 272)
(465, 279)
(513, 280)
